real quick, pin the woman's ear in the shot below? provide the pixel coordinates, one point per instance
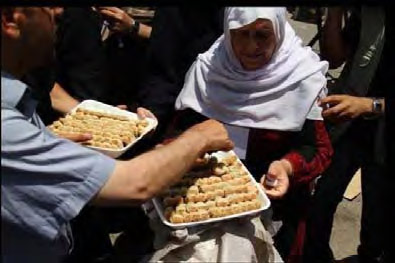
(9, 26)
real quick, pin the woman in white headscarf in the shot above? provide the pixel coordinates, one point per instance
(260, 81)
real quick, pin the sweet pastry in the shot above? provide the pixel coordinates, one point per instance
(109, 131)
(176, 218)
(218, 189)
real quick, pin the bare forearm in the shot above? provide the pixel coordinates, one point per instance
(144, 31)
(332, 45)
(61, 100)
(147, 175)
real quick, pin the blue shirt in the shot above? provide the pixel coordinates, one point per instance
(45, 180)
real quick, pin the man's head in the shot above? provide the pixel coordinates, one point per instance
(28, 37)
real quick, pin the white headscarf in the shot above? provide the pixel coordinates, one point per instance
(278, 96)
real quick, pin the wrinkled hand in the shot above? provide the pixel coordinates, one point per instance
(75, 137)
(119, 20)
(214, 134)
(279, 170)
(345, 107)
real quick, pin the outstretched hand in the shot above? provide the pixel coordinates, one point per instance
(278, 172)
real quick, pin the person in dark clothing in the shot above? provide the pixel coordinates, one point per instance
(125, 51)
(179, 34)
(355, 117)
(80, 55)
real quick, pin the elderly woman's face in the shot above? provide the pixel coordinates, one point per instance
(254, 44)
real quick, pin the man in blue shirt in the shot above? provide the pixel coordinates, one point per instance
(46, 180)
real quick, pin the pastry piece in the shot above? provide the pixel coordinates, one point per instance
(181, 208)
(187, 217)
(230, 189)
(200, 197)
(243, 206)
(222, 201)
(236, 181)
(168, 212)
(176, 218)
(207, 187)
(195, 216)
(216, 212)
(210, 204)
(227, 177)
(251, 187)
(236, 208)
(235, 198)
(202, 205)
(144, 123)
(245, 179)
(220, 169)
(213, 180)
(227, 210)
(220, 192)
(240, 188)
(252, 205)
(256, 203)
(230, 160)
(250, 196)
(203, 215)
(191, 207)
(193, 190)
(221, 185)
(211, 195)
(140, 130)
(202, 181)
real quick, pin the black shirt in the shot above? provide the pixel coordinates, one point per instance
(80, 54)
(179, 34)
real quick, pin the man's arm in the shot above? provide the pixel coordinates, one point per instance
(346, 107)
(145, 176)
(61, 100)
(121, 22)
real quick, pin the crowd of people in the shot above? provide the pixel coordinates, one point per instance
(216, 79)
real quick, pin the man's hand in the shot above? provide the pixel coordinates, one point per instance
(279, 171)
(119, 20)
(213, 134)
(75, 137)
(144, 113)
(345, 107)
(122, 107)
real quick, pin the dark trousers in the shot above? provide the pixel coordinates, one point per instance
(91, 229)
(355, 149)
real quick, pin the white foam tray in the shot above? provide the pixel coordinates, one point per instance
(261, 195)
(105, 108)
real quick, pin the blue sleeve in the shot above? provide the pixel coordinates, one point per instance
(45, 180)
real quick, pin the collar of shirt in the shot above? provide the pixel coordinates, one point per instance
(17, 94)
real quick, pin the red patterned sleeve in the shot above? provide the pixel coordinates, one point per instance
(313, 153)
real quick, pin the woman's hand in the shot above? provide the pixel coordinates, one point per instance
(279, 171)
